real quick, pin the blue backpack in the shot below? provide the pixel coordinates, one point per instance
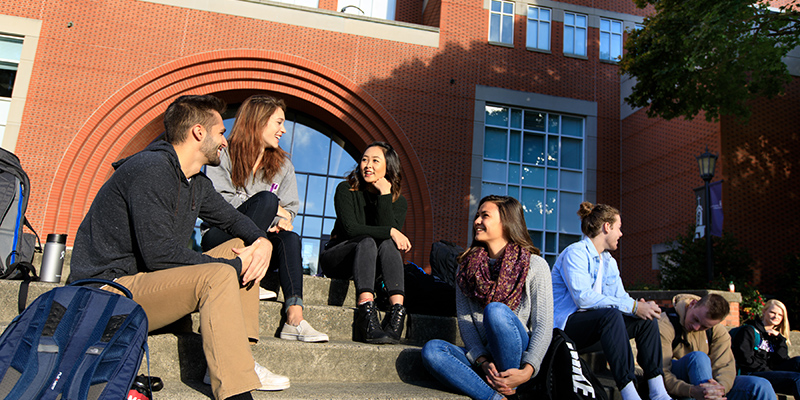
(74, 342)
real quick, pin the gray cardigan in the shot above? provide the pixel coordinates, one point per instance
(285, 179)
(535, 311)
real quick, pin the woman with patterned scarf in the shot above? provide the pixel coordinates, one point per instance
(504, 303)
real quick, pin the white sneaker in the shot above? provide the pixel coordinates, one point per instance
(269, 381)
(303, 332)
(264, 294)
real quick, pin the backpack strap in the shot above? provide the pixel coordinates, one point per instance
(675, 319)
(757, 342)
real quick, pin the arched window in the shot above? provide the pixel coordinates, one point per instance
(321, 159)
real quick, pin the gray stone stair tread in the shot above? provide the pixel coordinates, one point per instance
(306, 391)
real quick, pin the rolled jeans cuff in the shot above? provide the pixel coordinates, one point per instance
(292, 301)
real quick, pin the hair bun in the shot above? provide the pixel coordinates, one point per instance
(585, 209)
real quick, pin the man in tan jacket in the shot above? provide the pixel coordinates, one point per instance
(698, 361)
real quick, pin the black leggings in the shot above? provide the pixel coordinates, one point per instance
(359, 257)
(262, 208)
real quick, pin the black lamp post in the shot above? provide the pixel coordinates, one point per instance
(707, 162)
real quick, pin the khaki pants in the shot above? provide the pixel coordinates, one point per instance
(228, 314)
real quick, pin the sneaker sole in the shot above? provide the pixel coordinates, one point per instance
(272, 388)
(304, 339)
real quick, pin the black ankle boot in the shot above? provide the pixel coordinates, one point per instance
(366, 327)
(394, 321)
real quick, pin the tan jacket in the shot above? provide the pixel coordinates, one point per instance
(722, 362)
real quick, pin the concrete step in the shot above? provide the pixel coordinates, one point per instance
(174, 390)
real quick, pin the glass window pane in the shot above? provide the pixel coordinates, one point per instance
(569, 221)
(5, 105)
(544, 14)
(566, 240)
(516, 118)
(605, 46)
(330, 211)
(551, 260)
(552, 150)
(286, 139)
(572, 153)
(297, 225)
(514, 146)
(327, 226)
(315, 198)
(616, 47)
(513, 173)
(494, 171)
(551, 215)
(311, 149)
(580, 20)
(10, 49)
(571, 181)
(513, 191)
(496, 6)
(310, 255)
(533, 205)
(534, 121)
(544, 35)
(341, 162)
(492, 188)
(301, 191)
(508, 7)
(533, 149)
(312, 226)
(569, 40)
(552, 123)
(552, 178)
(550, 242)
(536, 238)
(7, 78)
(532, 176)
(572, 126)
(494, 28)
(508, 29)
(616, 27)
(533, 12)
(497, 116)
(531, 39)
(580, 42)
(494, 143)
(569, 19)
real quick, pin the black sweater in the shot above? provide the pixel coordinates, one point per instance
(142, 219)
(360, 213)
(758, 357)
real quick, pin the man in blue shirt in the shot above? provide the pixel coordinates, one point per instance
(591, 304)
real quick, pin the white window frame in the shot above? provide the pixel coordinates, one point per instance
(383, 9)
(499, 16)
(535, 27)
(611, 39)
(578, 30)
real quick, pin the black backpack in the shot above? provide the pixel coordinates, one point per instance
(444, 263)
(16, 247)
(564, 375)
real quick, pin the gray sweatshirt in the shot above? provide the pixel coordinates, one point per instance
(284, 179)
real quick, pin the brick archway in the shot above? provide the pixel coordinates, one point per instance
(128, 121)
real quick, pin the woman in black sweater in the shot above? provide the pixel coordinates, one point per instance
(370, 213)
(761, 349)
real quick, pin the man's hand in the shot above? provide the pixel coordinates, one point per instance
(648, 309)
(255, 260)
(711, 390)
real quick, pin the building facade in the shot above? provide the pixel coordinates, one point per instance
(478, 97)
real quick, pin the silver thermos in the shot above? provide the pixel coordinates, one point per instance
(53, 257)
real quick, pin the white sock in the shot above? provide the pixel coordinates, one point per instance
(657, 390)
(629, 392)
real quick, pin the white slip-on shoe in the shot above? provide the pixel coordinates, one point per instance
(264, 294)
(271, 381)
(303, 332)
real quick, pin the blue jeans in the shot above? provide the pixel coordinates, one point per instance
(507, 339)
(784, 379)
(695, 368)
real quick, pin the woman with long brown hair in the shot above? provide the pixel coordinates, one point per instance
(367, 235)
(256, 176)
(504, 303)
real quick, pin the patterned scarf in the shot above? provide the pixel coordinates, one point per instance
(475, 276)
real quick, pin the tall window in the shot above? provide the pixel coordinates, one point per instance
(610, 39)
(10, 54)
(384, 9)
(537, 157)
(538, 36)
(501, 22)
(575, 34)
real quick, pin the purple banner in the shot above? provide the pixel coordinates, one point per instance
(717, 217)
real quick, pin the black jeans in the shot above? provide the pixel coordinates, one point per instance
(359, 258)
(614, 330)
(286, 258)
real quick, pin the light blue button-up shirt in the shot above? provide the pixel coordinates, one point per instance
(574, 275)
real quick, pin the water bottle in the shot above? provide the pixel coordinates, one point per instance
(53, 257)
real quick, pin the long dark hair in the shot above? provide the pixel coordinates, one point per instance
(394, 173)
(513, 219)
(244, 143)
